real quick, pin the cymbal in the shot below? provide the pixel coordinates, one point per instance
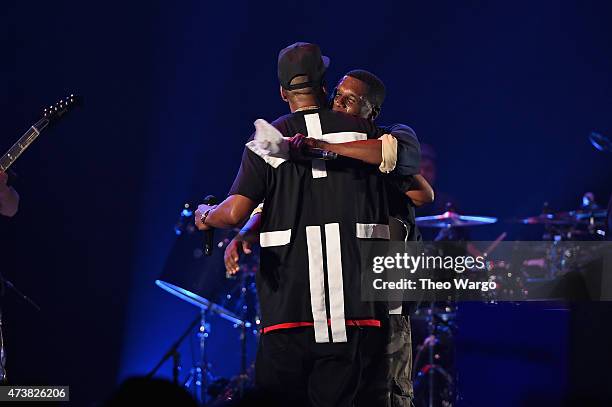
(452, 219)
(582, 215)
(199, 301)
(572, 218)
(560, 218)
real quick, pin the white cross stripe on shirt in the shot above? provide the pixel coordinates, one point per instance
(335, 283)
(317, 283)
(313, 127)
(335, 287)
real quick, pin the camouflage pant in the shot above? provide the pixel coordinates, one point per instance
(399, 353)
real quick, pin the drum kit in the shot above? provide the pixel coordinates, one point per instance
(201, 281)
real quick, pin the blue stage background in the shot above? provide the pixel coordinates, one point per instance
(507, 93)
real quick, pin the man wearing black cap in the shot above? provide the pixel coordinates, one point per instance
(317, 334)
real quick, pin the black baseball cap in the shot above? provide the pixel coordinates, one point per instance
(301, 58)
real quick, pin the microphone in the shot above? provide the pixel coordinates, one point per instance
(318, 153)
(209, 234)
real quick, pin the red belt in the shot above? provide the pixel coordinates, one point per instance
(349, 322)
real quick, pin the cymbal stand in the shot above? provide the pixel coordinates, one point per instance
(431, 346)
(431, 367)
(174, 354)
(198, 374)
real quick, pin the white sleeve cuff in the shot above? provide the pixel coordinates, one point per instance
(257, 210)
(389, 153)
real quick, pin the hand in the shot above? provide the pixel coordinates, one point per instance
(232, 254)
(312, 143)
(295, 147)
(199, 213)
(298, 142)
(3, 181)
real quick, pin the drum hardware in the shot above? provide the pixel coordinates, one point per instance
(440, 322)
(174, 353)
(201, 280)
(440, 319)
(199, 375)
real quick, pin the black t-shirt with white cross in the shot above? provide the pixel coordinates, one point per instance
(315, 214)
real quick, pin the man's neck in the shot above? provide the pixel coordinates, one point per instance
(304, 105)
(305, 108)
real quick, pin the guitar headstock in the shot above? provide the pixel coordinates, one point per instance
(56, 111)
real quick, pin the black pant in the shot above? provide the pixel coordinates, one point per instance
(399, 352)
(296, 370)
(391, 372)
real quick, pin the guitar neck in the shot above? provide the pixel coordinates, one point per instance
(24, 142)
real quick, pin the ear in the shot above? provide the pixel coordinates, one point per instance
(375, 112)
(283, 95)
(324, 97)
